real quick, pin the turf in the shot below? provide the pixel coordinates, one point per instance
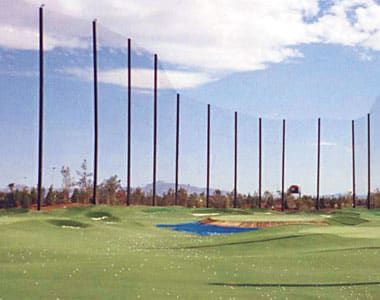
(272, 216)
(132, 259)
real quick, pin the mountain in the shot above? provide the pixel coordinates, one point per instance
(163, 187)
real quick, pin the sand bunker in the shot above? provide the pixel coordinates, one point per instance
(205, 214)
(260, 224)
(70, 227)
(100, 218)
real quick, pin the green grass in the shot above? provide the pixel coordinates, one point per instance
(67, 223)
(104, 216)
(271, 216)
(42, 256)
(347, 220)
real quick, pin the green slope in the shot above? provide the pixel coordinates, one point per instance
(77, 254)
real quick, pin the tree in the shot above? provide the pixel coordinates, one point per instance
(268, 199)
(11, 187)
(137, 196)
(50, 197)
(75, 197)
(84, 182)
(11, 202)
(33, 195)
(376, 198)
(168, 197)
(182, 197)
(218, 200)
(108, 189)
(67, 182)
(195, 200)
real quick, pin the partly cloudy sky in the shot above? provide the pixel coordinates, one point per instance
(213, 37)
(294, 59)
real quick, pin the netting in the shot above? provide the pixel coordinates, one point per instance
(375, 156)
(166, 137)
(68, 105)
(142, 121)
(222, 149)
(301, 159)
(335, 159)
(113, 99)
(361, 160)
(272, 160)
(112, 103)
(248, 162)
(193, 145)
(19, 101)
(69, 132)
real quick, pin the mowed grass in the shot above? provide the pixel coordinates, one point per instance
(118, 253)
(273, 216)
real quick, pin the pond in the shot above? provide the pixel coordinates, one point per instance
(204, 229)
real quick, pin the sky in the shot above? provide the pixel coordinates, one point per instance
(291, 59)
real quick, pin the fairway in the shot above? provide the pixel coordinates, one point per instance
(118, 253)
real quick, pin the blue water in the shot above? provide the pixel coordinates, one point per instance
(204, 229)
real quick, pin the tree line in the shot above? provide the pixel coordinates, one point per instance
(111, 192)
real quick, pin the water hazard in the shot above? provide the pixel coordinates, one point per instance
(204, 229)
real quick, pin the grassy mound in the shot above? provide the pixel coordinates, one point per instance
(347, 220)
(75, 210)
(102, 216)
(136, 260)
(231, 211)
(347, 213)
(158, 210)
(67, 223)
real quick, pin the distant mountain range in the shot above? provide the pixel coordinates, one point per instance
(163, 187)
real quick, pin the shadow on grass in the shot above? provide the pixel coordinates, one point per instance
(350, 249)
(241, 242)
(67, 223)
(296, 285)
(346, 220)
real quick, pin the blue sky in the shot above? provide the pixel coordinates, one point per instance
(298, 60)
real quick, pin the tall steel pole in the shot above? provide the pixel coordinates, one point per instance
(208, 154)
(260, 161)
(353, 165)
(283, 166)
(95, 69)
(155, 130)
(41, 109)
(129, 145)
(177, 150)
(235, 159)
(369, 160)
(317, 204)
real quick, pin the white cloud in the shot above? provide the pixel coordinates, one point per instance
(27, 39)
(328, 144)
(143, 78)
(209, 36)
(19, 38)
